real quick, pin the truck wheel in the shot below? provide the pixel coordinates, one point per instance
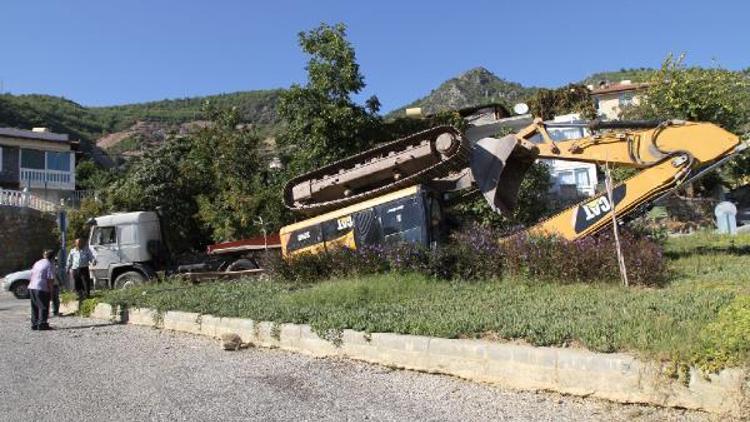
(129, 279)
(242, 264)
(21, 289)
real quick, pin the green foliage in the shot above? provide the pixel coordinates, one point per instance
(597, 317)
(90, 176)
(700, 318)
(705, 95)
(641, 74)
(165, 179)
(726, 341)
(89, 123)
(78, 218)
(323, 123)
(258, 107)
(548, 103)
(87, 306)
(212, 184)
(533, 203)
(242, 188)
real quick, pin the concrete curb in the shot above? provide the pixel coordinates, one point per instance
(617, 377)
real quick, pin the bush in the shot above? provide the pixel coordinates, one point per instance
(591, 259)
(476, 254)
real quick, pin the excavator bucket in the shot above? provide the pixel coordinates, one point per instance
(498, 167)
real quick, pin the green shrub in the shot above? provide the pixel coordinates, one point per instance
(726, 341)
(88, 306)
(477, 254)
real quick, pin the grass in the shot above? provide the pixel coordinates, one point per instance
(702, 317)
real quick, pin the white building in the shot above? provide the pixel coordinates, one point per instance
(570, 179)
(37, 160)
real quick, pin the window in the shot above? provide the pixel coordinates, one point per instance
(32, 159)
(127, 234)
(566, 178)
(403, 220)
(582, 178)
(59, 161)
(626, 99)
(104, 236)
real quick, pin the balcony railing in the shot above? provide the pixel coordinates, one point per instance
(16, 198)
(49, 179)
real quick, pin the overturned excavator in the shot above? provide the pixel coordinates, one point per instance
(396, 191)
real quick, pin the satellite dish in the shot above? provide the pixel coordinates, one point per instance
(521, 108)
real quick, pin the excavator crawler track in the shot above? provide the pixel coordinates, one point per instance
(419, 158)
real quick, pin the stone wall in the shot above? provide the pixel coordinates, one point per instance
(24, 234)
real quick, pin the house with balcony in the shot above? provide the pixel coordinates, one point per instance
(611, 98)
(38, 161)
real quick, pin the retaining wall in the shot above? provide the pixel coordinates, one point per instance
(24, 234)
(618, 377)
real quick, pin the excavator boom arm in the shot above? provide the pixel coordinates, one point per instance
(669, 154)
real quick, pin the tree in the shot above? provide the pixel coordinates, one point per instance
(243, 188)
(323, 123)
(167, 180)
(573, 98)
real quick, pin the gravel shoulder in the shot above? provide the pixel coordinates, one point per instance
(89, 370)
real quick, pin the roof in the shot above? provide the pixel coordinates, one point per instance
(619, 87)
(127, 218)
(30, 134)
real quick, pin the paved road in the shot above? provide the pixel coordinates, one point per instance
(89, 371)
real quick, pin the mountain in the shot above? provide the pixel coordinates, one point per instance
(641, 74)
(474, 87)
(90, 123)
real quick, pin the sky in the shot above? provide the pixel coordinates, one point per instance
(99, 52)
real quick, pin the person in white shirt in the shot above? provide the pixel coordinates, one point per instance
(78, 262)
(40, 287)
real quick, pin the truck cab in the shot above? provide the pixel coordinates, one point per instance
(127, 248)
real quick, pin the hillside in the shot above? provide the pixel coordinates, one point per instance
(91, 123)
(641, 74)
(474, 87)
(257, 107)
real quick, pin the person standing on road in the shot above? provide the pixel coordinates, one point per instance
(40, 287)
(79, 259)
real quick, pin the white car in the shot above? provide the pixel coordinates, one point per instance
(18, 283)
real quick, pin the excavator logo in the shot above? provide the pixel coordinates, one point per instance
(593, 211)
(344, 223)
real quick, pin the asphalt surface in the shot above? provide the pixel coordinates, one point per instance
(93, 371)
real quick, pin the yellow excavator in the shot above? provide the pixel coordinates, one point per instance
(396, 192)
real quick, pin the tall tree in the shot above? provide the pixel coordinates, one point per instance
(243, 187)
(323, 123)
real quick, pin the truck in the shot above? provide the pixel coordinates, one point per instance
(130, 250)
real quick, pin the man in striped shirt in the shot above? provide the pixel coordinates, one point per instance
(78, 262)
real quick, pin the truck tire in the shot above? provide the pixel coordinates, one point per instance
(129, 279)
(242, 264)
(20, 289)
